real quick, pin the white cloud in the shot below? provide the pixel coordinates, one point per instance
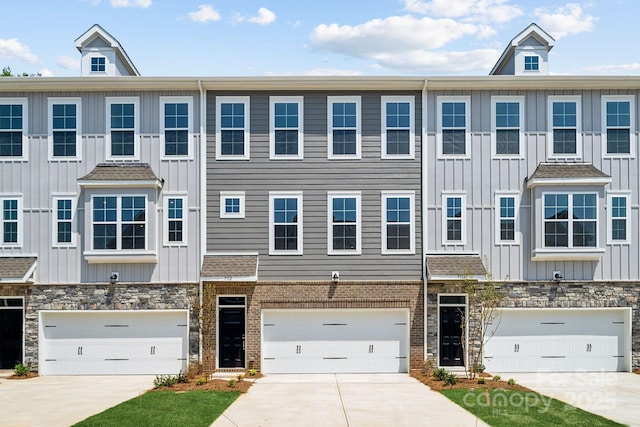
(46, 73)
(494, 11)
(68, 62)
(621, 69)
(12, 48)
(265, 17)
(319, 72)
(565, 20)
(204, 14)
(441, 61)
(142, 4)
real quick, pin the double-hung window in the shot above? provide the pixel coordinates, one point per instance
(398, 222)
(175, 220)
(453, 126)
(285, 223)
(232, 128)
(506, 121)
(123, 128)
(344, 223)
(506, 210)
(232, 204)
(13, 129)
(176, 117)
(565, 118)
(398, 129)
(64, 228)
(618, 125)
(286, 127)
(570, 220)
(344, 129)
(453, 224)
(11, 220)
(119, 223)
(618, 218)
(64, 128)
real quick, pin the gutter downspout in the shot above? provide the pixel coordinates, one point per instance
(423, 186)
(202, 170)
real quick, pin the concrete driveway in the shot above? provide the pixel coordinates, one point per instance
(343, 400)
(62, 401)
(614, 395)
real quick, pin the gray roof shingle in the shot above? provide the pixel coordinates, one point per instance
(455, 265)
(567, 170)
(229, 266)
(15, 268)
(121, 172)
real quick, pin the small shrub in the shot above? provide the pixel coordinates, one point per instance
(511, 381)
(21, 370)
(164, 381)
(231, 383)
(429, 365)
(450, 379)
(479, 368)
(252, 372)
(194, 370)
(181, 378)
(497, 378)
(481, 380)
(201, 381)
(439, 374)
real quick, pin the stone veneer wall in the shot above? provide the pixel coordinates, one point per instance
(103, 297)
(313, 295)
(548, 295)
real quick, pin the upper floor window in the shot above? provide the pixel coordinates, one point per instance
(285, 223)
(176, 130)
(345, 225)
(232, 128)
(98, 64)
(398, 129)
(119, 222)
(64, 128)
(11, 220)
(398, 222)
(453, 126)
(286, 127)
(123, 128)
(506, 125)
(532, 63)
(175, 218)
(506, 218)
(453, 227)
(64, 233)
(570, 220)
(344, 129)
(13, 129)
(565, 133)
(618, 125)
(618, 221)
(232, 204)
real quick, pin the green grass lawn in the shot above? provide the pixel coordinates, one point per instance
(166, 408)
(518, 408)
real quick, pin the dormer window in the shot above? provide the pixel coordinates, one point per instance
(98, 64)
(532, 63)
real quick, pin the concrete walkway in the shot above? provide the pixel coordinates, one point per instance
(343, 400)
(613, 395)
(62, 401)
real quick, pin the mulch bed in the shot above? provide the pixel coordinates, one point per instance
(213, 384)
(23, 377)
(468, 384)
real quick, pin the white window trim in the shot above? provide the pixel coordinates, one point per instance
(632, 125)
(289, 195)
(570, 222)
(57, 101)
(74, 220)
(463, 219)
(467, 129)
(494, 128)
(19, 198)
(340, 99)
(246, 100)
(412, 126)
(119, 250)
(516, 203)
(610, 196)
(524, 62)
(224, 195)
(136, 126)
(564, 98)
(412, 225)
(176, 100)
(344, 194)
(272, 127)
(165, 219)
(25, 127)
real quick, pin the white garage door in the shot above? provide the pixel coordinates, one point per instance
(335, 341)
(559, 340)
(110, 342)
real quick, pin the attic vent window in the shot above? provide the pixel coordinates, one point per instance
(531, 63)
(98, 64)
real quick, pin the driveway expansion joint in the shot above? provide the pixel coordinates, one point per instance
(344, 409)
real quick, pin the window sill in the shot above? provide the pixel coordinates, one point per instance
(567, 254)
(120, 257)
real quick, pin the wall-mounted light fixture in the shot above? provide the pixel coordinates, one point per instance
(114, 277)
(556, 276)
(335, 276)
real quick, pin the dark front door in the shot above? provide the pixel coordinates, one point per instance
(10, 337)
(231, 337)
(451, 351)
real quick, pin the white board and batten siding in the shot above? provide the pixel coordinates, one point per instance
(335, 341)
(113, 342)
(559, 340)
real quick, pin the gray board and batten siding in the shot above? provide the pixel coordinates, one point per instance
(38, 178)
(314, 176)
(481, 175)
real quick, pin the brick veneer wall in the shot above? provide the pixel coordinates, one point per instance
(313, 295)
(548, 295)
(102, 297)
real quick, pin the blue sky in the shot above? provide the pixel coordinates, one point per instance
(328, 37)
